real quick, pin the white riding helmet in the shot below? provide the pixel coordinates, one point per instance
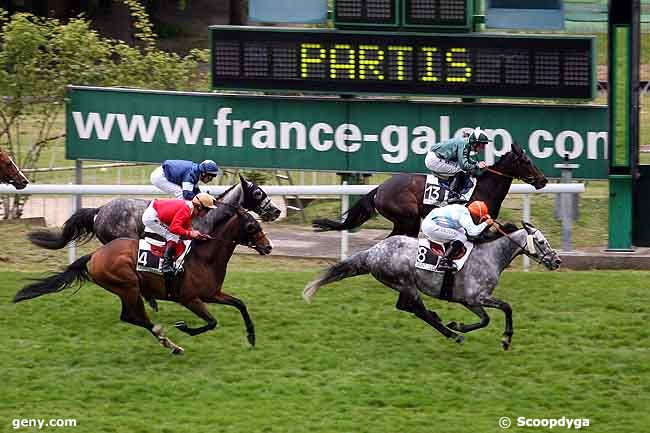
(478, 136)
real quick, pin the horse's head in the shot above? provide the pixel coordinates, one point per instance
(251, 234)
(539, 248)
(518, 165)
(10, 173)
(255, 199)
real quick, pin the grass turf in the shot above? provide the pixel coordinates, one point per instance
(347, 363)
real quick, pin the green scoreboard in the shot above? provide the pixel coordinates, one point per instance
(425, 14)
(351, 62)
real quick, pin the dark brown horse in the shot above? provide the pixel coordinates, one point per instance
(10, 173)
(399, 199)
(113, 267)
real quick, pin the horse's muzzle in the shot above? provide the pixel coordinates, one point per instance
(264, 250)
(271, 215)
(540, 183)
(555, 263)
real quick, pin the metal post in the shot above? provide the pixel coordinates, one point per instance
(76, 205)
(526, 217)
(566, 211)
(345, 205)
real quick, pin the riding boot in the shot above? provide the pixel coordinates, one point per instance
(447, 262)
(168, 269)
(456, 187)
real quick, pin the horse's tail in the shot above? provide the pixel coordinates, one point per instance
(74, 273)
(350, 267)
(78, 228)
(359, 213)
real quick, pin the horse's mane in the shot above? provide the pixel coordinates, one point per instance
(223, 194)
(489, 236)
(218, 215)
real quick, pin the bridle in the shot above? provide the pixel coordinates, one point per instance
(243, 234)
(530, 249)
(9, 163)
(528, 179)
(262, 208)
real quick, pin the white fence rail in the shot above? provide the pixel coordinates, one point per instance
(344, 191)
(340, 190)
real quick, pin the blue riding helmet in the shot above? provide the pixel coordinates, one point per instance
(209, 167)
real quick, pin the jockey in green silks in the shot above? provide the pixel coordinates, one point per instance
(452, 159)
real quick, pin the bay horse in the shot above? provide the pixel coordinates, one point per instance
(399, 199)
(392, 262)
(113, 267)
(10, 173)
(122, 217)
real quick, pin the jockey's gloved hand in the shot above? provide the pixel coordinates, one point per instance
(195, 234)
(482, 164)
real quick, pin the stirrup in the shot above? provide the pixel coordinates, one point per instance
(449, 266)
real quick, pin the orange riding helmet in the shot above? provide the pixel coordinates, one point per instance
(479, 210)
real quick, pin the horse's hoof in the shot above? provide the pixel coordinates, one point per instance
(459, 339)
(181, 325)
(453, 326)
(178, 350)
(506, 343)
(251, 339)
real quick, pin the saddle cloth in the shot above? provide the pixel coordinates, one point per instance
(436, 190)
(429, 253)
(150, 253)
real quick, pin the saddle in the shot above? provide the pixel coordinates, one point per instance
(151, 248)
(430, 252)
(437, 191)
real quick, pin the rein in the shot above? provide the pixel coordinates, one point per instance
(500, 173)
(523, 248)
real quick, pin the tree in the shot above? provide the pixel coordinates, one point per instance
(39, 57)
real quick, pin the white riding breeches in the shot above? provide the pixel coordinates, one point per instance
(440, 166)
(159, 180)
(441, 234)
(152, 223)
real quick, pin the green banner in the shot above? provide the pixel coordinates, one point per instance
(324, 134)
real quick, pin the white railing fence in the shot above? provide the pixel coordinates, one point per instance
(344, 191)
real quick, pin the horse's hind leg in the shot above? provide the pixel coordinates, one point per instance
(414, 304)
(197, 307)
(133, 312)
(480, 312)
(505, 307)
(226, 299)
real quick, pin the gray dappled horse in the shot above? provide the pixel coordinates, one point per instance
(122, 217)
(392, 262)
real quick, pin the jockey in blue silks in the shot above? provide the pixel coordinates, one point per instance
(180, 178)
(452, 159)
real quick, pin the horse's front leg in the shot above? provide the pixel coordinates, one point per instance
(505, 307)
(413, 304)
(479, 311)
(197, 307)
(226, 299)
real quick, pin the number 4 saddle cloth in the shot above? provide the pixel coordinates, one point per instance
(430, 252)
(436, 191)
(150, 253)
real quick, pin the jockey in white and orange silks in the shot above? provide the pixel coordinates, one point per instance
(453, 223)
